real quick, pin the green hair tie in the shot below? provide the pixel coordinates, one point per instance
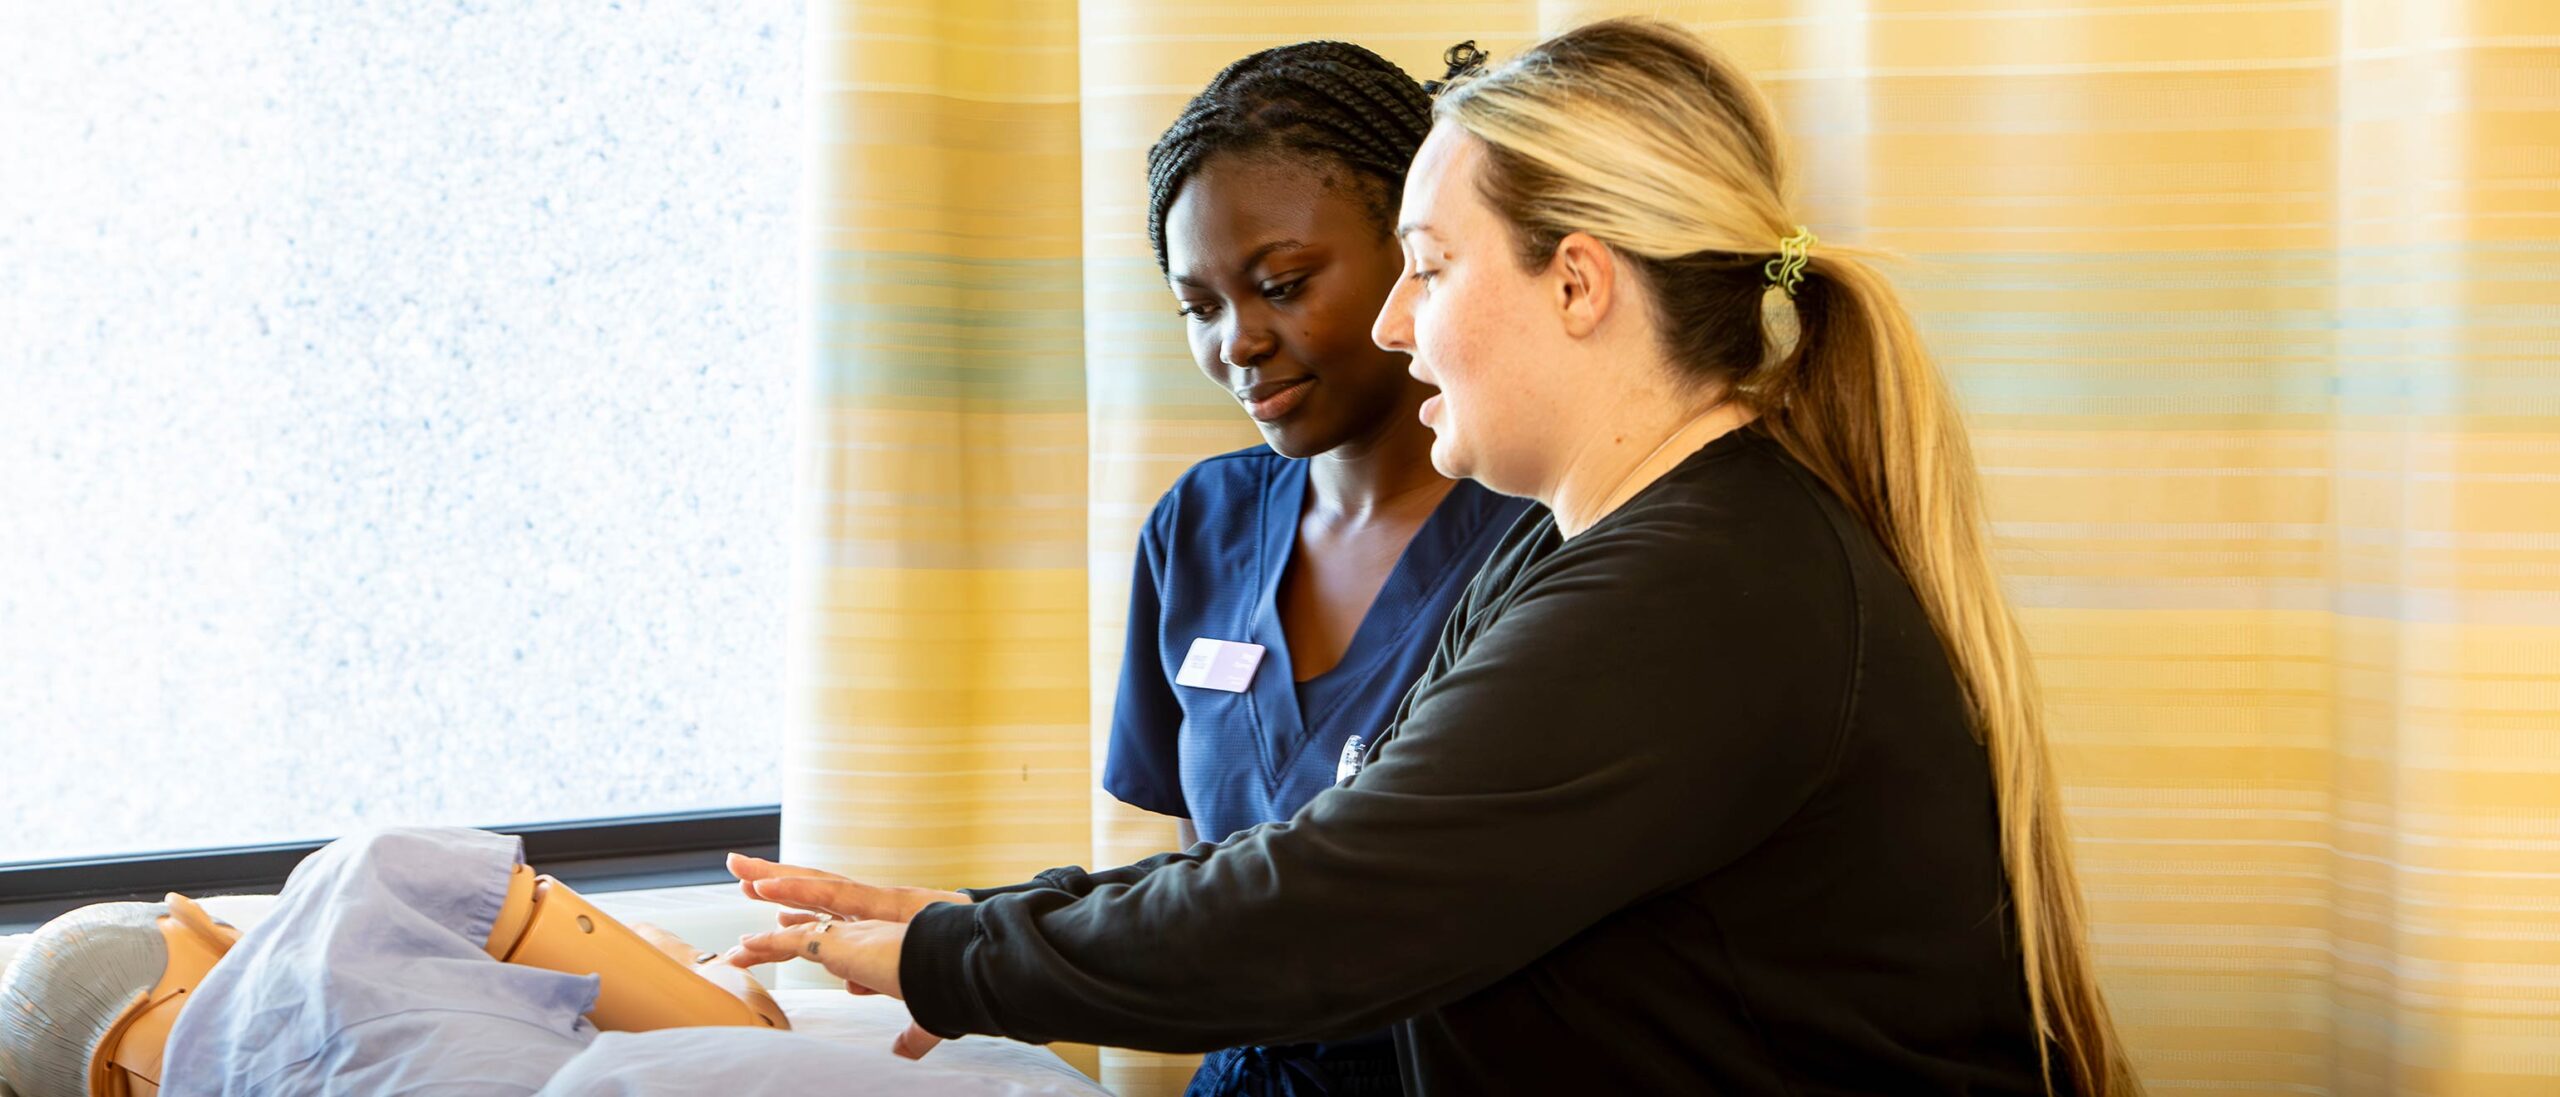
(1787, 270)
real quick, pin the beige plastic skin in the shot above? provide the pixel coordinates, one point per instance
(546, 925)
(127, 1063)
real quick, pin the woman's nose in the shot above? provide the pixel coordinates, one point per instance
(1246, 345)
(1393, 329)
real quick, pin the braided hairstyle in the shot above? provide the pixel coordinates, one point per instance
(1333, 100)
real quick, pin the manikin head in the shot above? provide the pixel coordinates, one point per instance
(87, 1006)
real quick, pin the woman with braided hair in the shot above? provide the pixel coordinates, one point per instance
(1271, 204)
(1285, 595)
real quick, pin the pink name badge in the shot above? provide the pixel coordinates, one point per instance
(1219, 664)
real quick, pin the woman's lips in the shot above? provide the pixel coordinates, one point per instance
(1428, 407)
(1272, 400)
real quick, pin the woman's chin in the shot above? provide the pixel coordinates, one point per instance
(1290, 440)
(1446, 459)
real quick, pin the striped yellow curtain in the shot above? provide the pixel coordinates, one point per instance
(937, 732)
(2253, 305)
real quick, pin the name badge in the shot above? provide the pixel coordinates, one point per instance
(1350, 762)
(1219, 664)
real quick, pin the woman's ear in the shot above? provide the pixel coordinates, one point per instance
(1586, 274)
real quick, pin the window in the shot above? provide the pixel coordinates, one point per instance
(394, 416)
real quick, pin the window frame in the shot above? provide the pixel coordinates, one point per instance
(593, 855)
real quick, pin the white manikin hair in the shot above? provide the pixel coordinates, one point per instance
(68, 984)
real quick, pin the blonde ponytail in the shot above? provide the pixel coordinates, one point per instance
(1866, 410)
(1636, 133)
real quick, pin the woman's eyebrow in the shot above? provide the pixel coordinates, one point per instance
(1264, 252)
(1182, 278)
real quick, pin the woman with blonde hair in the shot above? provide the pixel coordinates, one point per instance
(1730, 776)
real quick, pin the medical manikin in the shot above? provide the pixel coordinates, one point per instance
(87, 1007)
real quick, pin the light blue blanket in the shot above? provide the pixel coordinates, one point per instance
(368, 977)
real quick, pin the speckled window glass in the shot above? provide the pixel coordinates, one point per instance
(395, 409)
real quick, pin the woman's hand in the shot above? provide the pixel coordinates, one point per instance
(862, 950)
(814, 893)
(863, 954)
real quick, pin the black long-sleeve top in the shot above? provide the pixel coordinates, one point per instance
(1688, 803)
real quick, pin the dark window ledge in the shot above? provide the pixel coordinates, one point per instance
(592, 855)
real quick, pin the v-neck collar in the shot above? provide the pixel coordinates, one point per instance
(1275, 686)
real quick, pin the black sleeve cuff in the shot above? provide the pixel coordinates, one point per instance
(1072, 879)
(934, 975)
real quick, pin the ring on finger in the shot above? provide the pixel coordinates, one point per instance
(825, 925)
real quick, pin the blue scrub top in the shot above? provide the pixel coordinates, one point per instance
(1209, 565)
